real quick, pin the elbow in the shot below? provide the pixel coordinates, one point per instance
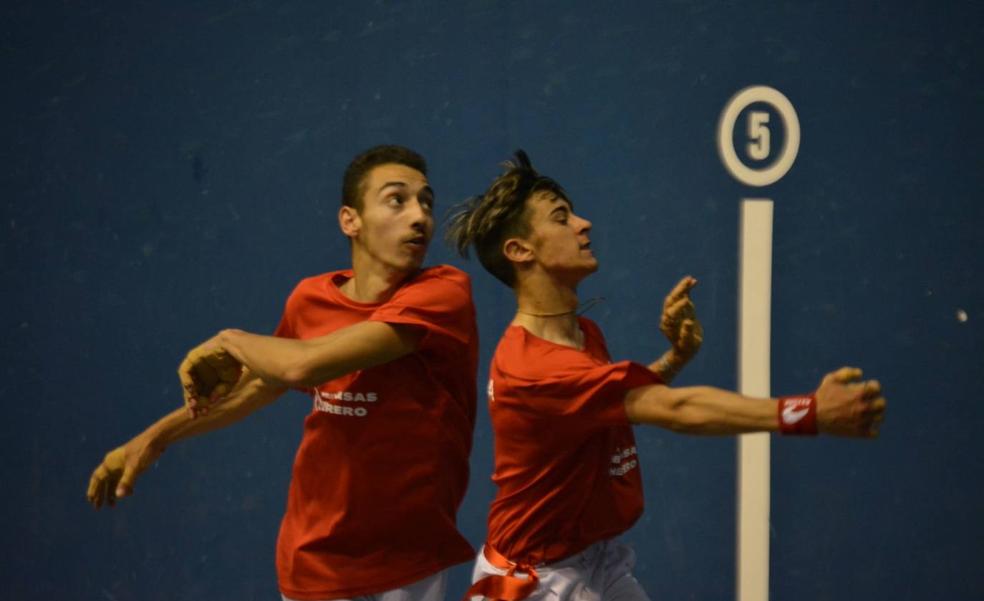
(308, 372)
(300, 368)
(297, 375)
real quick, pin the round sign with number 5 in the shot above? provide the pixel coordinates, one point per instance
(759, 136)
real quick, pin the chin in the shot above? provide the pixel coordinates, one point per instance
(579, 274)
(410, 265)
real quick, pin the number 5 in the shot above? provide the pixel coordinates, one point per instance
(758, 134)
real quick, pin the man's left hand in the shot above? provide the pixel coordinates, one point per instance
(679, 322)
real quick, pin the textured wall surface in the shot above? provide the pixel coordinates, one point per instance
(172, 168)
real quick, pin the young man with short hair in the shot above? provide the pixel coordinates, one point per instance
(388, 351)
(566, 466)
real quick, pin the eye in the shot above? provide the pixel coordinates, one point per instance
(427, 202)
(561, 217)
(394, 200)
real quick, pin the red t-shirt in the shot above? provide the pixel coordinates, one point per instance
(565, 457)
(383, 464)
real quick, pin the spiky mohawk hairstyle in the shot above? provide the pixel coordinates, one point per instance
(487, 221)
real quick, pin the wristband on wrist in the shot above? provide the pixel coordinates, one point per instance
(798, 415)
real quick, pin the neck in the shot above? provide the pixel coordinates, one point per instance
(372, 281)
(549, 311)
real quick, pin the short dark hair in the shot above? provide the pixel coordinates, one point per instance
(487, 221)
(354, 181)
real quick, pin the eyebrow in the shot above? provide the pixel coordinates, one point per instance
(565, 205)
(392, 184)
(426, 190)
(403, 185)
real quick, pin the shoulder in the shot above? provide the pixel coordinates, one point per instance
(319, 286)
(523, 357)
(444, 275)
(590, 328)
(442, 283)
(594, 338)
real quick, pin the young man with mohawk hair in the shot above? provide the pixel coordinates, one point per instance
(566, 467)
(388, 351)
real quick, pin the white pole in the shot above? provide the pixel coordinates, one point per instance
(754, 320)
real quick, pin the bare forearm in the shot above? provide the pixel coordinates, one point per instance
(273, 359)
(289, 362)
(701, 410)
(178, 425)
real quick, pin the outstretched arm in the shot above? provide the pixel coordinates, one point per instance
(115, 476)
(682, 329)
(210, 369)
(845, 406)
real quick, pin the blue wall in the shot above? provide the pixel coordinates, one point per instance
(172, 168)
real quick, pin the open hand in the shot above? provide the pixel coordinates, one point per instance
(115, 476)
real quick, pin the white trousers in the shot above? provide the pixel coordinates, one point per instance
(602, 572)
(431, 588)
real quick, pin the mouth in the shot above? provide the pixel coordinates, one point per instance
(416, 242)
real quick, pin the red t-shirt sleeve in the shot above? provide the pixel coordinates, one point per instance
(287, 328)
(284, 328)
(438, 301)
(582, 391)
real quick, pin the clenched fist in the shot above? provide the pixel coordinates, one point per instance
(207, 374)
(848, 405)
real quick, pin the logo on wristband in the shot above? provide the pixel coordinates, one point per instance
(798, 415)
(795, 410)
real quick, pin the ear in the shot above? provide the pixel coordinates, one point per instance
(518, 250)
(349, 221)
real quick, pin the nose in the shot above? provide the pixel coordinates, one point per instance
(584, 225)
(420, 214)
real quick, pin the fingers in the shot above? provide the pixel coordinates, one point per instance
(205, 377)
(873, 411)
(681, 290)
(197, 374)
(125, 486)
(207, 373)
(116, 475)
(220, 391)
(96, 491)
(691, 335)
(198, 380)
(188, 386)
(100, 488)
(687, 329)
(871, 389)
(225, 366)
(678, 311)
(844, 375)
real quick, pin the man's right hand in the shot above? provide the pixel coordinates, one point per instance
(848, 406)
(207, 374)
(115, 476)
